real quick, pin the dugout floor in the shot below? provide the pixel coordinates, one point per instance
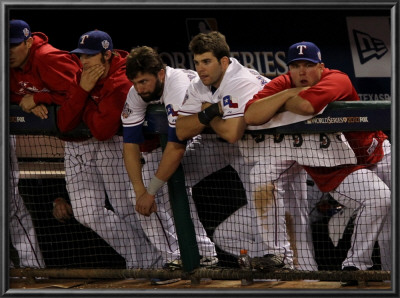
(137, 284)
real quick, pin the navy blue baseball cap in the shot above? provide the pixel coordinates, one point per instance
(93, 42)
(304, 51)
(19, 31)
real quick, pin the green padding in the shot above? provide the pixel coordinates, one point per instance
(381, 104)
(183, 222)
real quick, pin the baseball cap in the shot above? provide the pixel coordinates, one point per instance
(93, 42)
(304, 51)
(19, 31)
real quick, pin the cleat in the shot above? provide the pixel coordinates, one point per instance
(208, 261)
(162, 281)
(268, 262)
(349, 283)
(175, 264)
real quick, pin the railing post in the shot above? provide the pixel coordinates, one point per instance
(183, 222)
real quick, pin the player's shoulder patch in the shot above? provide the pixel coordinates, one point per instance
(126, 111)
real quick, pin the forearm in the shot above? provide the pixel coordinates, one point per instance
(170, 160)
(299, 105)
(131, 153)
(188, 126)
(231, 129)
(261, 111)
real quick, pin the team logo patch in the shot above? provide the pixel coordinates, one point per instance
(26, 32)
(170, 110)
(126, 111)
(105, 43)
(231, 102)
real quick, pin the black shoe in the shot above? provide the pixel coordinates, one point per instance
(349, 283)
(175, 264)
(163, 281)
(208, 261)
(267, 262)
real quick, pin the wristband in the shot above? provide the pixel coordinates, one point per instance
(154, 185)
(206, 115)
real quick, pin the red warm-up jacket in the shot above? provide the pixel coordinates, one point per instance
(101, 108)
(48, 73)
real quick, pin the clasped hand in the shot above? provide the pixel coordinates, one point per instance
(146, 204)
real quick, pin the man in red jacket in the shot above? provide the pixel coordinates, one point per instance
(364, 186)
(39, 74)
(95, 167)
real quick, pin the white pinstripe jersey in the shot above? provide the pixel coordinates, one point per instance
(237, 87)
(176, 82)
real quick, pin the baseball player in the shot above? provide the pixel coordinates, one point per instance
(95, 167)
(22, 231)
(217, 100)
(306, 90)
(154, 83)
(39, 74)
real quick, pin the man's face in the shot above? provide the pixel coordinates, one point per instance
(210, 70)
(19, 53)
(305, 73)
(148, 86)
(91, 60)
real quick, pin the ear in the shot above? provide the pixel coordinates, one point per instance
(107, 55)
(161, 75)
(225, 62)
(29, 42)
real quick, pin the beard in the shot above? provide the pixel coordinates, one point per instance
(156, 94)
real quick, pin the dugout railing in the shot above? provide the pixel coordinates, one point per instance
(337, 117)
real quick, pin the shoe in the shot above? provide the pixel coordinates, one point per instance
(162, 281)
(267, 262)
(208, 261)
(349, 283)
(175, 264)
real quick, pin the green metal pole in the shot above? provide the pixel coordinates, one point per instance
(183, 222)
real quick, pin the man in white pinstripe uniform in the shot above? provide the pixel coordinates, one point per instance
(156, 83)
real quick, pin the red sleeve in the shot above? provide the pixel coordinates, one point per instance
(70, 113)
(104, 117)
(15, 98)
(274, 86)
(57, 76)
(334, 85)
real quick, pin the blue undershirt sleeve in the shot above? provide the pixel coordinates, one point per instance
(133, 134)
(172, 136)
